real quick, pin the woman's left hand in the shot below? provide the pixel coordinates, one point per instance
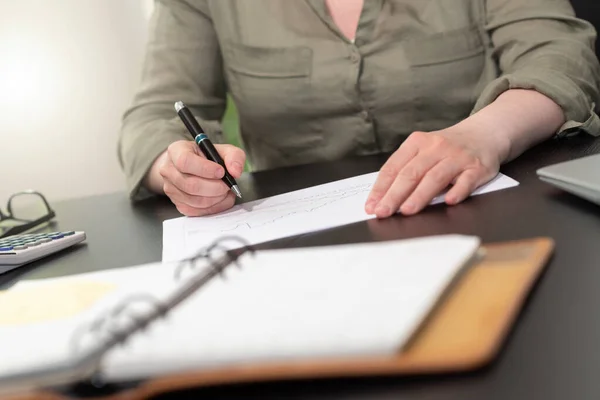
(427, 163)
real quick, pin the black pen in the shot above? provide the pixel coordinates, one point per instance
(205, 144)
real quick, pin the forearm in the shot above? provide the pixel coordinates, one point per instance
(548, 73)
(182, 62)
(517, 120)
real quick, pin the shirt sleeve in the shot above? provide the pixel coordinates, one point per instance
(182, 62)
(541, 45)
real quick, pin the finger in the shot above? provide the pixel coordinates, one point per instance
(193, 185)
(388, 174)
(234, 158)
(407, 180)
(434, 182)
(177, 196)
(465, 184)
(187, 159)
(225, 204)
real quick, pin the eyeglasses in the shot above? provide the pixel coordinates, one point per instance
(25, 210)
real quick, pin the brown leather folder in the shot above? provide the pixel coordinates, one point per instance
(465, 331)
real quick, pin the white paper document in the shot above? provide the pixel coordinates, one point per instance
(364, 299)
(319, 207)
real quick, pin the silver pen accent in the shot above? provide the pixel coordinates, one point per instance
(237, 191)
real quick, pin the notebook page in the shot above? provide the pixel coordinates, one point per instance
(319, 207)
(38, 318)
(335, 301)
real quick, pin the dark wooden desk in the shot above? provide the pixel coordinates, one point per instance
(553, 351)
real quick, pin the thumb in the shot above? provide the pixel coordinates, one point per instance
(234, 158)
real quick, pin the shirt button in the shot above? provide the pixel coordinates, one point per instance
(354, 57)
(365, 115)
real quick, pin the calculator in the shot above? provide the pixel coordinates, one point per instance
(18, 250)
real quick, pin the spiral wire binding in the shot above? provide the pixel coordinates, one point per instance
(108, 326)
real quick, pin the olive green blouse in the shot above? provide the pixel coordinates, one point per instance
(305, 93)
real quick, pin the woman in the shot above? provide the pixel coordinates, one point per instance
(461, 86)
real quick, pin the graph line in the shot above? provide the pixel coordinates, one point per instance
(243, 219)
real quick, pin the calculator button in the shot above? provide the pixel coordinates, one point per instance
(32, 243)
(69, 233)
(6, 248)
(44, 240)
(59, 236)
(20, 247)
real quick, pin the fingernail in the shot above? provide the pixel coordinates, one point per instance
(408, 207)
(369, 206)
(237, 168)
(219, 172)
(382, 210)
(453, 200)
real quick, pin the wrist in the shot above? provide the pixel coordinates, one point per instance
(153, 180)
(485, 136)
(491, 134)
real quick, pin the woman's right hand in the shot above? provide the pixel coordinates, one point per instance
(192, 182)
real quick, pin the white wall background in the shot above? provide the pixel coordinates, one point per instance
(68, 69)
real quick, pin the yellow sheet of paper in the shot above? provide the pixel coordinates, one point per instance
(45, 303)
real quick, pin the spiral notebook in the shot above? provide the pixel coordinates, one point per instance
(226, 308)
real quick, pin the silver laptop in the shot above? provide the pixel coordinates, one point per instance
(580, 177)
